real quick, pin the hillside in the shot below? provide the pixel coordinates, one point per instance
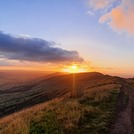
(96, 107)
(37, 91)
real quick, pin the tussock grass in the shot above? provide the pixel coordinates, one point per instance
(90, 113)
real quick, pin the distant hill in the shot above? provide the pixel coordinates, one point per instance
(11, 78)
(44, 89)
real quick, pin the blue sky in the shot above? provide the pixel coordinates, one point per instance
(68, 23)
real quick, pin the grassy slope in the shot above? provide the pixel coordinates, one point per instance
(43, 90)
(91, 113)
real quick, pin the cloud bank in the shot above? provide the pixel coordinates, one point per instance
(120, 16)
(35, 50)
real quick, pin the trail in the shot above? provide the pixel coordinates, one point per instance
(125, 111)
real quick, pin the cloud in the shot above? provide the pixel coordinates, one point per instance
(90, 13)
(35, 50)
(120, 17)
(100, 4)
(3, 62)
(104, 68)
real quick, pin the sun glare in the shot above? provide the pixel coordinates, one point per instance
(74, 69)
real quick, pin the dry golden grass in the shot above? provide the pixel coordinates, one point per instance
(64, 114)
(99, 93)
(24, 115)
(41, 90)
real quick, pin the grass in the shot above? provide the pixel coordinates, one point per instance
(31, 93)
(92, 113)
(47, 124)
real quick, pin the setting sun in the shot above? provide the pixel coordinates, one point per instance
(74, 67)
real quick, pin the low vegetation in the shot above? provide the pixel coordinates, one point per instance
(92, 112)
(44, 89)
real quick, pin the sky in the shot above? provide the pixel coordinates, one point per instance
(97, 35)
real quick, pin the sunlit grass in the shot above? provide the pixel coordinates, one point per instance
(92, 112)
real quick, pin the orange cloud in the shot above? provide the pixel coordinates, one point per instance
(117, 14)
(121, 18)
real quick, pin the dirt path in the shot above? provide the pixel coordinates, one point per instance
(125, 112)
